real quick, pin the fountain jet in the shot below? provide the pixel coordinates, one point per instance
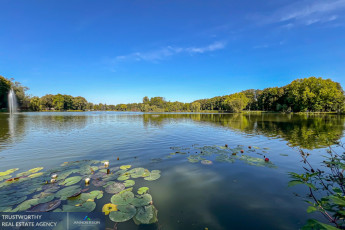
(12, 102)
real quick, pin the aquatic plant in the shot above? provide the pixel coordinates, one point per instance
(206, 154)
(326, 188)
(71, 191)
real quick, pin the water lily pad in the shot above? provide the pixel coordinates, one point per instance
(79, 192)
(125, 166)
(122, 198)
(45, 207)
(123, 177)
(107, 208)
(36, 175)
(44, 197)
(64, 193)
(25, 205)
(129, 183)
(146, 215)
(124, 213)
(71, 180)
(154, 175)
(87, 206)
(206, 162)
(136, 172)
(142, 200)
(142, 190)
(114, 188)
(5, 209)
(7, 172)
(31, 171)
(65, 174)
(5, 177)
(51, 188)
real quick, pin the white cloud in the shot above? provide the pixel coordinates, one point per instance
(168, 51)
(307, 12)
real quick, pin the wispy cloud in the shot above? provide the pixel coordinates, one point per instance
(307, 13)
(168, 51)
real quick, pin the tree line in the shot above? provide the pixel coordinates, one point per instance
(302, 95)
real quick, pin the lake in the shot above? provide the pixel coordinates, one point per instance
(233, 192)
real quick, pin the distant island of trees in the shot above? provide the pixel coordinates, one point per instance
(301, 95)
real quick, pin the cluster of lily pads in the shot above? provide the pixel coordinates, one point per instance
(75, 187)
(207, 154)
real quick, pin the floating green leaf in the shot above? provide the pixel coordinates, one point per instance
(143, 190)
(36, 175)
(31, 171)
(64, 193)
(129, 183)
(123, 177)
(5, 177)
(154, 175)
(45, 207)
(206, 162)
(142, 200)
(123, 198)
(125, 166)
(124, 213)
(146, 215)
(71, 180)
(25, 205)
(8, 172)
(88, 206)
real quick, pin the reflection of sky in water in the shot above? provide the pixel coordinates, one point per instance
(188, 196)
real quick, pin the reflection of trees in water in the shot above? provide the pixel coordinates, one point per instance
(57, 122)
(12, 128)
(306, 131)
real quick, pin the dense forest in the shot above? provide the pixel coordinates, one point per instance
(302, 95)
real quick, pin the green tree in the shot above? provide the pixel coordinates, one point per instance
(315, 94)
(236, 102)
(47, 102)
(146, 100)
(195, 106)
(79, 103)
(58, 102)
(35, 104)
(22, 99)
(5, 86)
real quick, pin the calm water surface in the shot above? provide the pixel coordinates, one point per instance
(188, 195)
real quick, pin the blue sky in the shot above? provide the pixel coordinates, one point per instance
(120, 51)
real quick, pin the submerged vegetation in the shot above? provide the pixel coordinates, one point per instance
(302, 95)
(68, 189)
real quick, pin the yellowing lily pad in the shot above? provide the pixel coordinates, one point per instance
(36, 175)
(125, 166)
(31, 171)
(107, 208)
(7, 172)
